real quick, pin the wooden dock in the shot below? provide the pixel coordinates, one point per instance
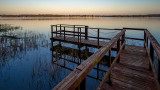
(132, 67)
(132, 72)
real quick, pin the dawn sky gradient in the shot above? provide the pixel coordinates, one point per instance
(92, 7)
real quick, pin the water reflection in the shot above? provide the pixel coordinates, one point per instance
(26, 61)
(16, 55)
(69, 58)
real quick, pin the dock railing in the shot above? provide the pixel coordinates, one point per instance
(154, 46)
(77, 78)
(79, 32)
(152, 49)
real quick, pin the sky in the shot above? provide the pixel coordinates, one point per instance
(80, 7)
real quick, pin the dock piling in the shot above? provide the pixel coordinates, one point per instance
(86, 32)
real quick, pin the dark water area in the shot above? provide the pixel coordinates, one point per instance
(28, 62)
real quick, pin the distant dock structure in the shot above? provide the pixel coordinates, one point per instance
(133, 67)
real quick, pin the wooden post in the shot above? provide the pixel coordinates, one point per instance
(110, 62)
(80, 35)
(123, 39)
(151, 54)
(98, 71)
(64, 60)
(56, 30)
(144, 38)
(83, 85)
(51, 31)
(86, 32)
(147, 42)
(98, 38)
(118, 47)
(64, 33)
(151, 51)
(60, 30)
(51, 35)
(74, 30)
(159, 70)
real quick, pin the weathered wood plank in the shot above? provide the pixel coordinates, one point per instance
(132, 72)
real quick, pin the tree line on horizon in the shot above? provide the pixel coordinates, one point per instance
(50, 15)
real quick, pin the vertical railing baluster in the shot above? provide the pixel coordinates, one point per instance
(159, 70)
(52, 36)
(74, 30)
(80, 35)
(98, 38)
(98, 71)
(64, 33)
(60, 30)
(83, 85)
(110, 62)
(147, 41)
(56, 30)
(144, 38)
(151, 51)
(86, 32)
(51, 31)
(123, 40)
(118, 47)
(151, 54)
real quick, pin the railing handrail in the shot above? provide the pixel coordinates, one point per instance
(154, 43)
(139, 29)
(109, 70)
(74, 78)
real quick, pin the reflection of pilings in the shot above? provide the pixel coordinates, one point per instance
(73, 69)
(65, 59)
(79, 54)
(72, 52)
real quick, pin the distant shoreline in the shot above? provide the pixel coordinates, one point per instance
(46, 15)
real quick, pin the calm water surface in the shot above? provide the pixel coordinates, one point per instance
(28, 62)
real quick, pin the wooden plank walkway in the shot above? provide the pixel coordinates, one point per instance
(132, 72)
(87, 42)
(131, 69)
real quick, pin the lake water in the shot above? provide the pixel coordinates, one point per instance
(28, 63)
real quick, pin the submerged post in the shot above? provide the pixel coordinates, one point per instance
(86, 32)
